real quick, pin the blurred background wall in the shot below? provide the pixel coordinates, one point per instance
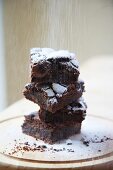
(81, 26)
(2, 62)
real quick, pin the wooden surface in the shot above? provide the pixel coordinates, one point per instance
(99, 122)
(82, 157)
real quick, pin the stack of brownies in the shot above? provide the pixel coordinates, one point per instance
(56, 88)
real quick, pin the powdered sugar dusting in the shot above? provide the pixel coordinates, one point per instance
(41, 50)
(82, 102)
(71, 65)
(69, 142)
(50, 92)
(76, 108)
(75, 62)
(47, 50)
(52, 101)
(34, 50)
(59, 88)
(73, 55)
(37, 57)
(93, 132)
(59, 54)
(38, 54)
(69, 107)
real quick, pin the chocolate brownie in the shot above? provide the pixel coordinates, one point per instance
(75, 111)
(48, 65)
(55, 87)
(55, 96)
(49, 132)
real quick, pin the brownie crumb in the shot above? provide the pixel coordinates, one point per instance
(85, 142)
(26, 143)
(70, 150)
(96, 139)
(69, 142)
(44, 146)
(34, 144)
(24, 147)
(101, 140)
(39, 146)
(99, 150)
(57, 150)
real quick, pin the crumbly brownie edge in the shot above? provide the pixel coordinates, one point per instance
(49, 132)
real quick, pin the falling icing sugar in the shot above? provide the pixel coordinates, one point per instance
(40, 50)
(58, 88)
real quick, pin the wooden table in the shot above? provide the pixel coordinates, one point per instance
(99, 83)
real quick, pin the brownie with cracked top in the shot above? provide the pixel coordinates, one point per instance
(56, 88)
(48, 65)
(75, 111)
(55, 96)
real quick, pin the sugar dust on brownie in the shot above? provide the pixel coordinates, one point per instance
(55, 86)
(48, 65)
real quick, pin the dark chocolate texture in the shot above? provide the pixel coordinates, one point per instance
(49, 66)
(55, 87)
(75, 111)
(54, 71)
(48, 132)
(53, 97)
